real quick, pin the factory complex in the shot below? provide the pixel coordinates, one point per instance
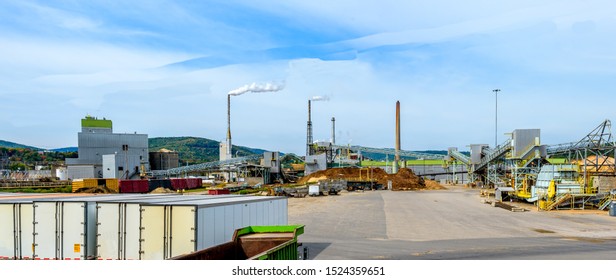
(130, 203)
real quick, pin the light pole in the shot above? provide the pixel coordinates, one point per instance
(496, 117)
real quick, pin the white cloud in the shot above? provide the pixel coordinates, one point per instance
(441, 61)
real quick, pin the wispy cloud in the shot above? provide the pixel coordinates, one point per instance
(180, 59)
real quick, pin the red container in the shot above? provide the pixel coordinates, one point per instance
(217, 192)
(141, 186)
(126, 186)
(179, 184)
(195, 183)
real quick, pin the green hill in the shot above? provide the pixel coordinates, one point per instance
(194, 150)
(8, 144)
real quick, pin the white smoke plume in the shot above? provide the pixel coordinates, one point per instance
(320, 98)
(255, 87)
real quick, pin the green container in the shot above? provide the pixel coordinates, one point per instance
(254, 243)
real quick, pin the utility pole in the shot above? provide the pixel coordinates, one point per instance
(496, 117)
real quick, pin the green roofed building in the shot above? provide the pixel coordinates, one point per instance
(92, 124)
(104, 154)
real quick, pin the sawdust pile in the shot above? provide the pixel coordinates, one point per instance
(162, 190)
(433, 185)
(405, 179)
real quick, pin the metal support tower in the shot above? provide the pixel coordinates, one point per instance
(595, 152)
(309, 133)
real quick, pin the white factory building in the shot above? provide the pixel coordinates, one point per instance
(104, 154)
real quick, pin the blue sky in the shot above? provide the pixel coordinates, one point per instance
(164, 68)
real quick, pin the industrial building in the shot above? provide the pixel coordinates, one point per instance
(520, 168)
(104, 154)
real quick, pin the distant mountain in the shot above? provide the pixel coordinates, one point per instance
(193, 150)
(65, 150)
(8, 144)
(190, 149)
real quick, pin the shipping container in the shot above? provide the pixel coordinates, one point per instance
(84, 183)
(118, 223)
(133, 186)
(126, 186)
(65, 228)
(141, 186)
(17, 220)
(179, 184)
(113, 185)
(175, 228)
(194, 183)
(38, 195)
(218, 191)
(8, 248)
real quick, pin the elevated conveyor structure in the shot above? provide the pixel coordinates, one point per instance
(493, 166)
(454, 154)
(522, 163)
(205, 166)
(494, 155)
(387, 151)
(594, 153)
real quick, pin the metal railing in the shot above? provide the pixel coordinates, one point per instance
(498, 152)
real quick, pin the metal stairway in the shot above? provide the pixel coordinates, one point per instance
(559, 200)
(496, 154)
(605, 202)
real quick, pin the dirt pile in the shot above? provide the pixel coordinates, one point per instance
(405, 179)
(433, 185)
(162, 190)
(98, 189)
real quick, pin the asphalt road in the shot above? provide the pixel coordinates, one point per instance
(452, 224)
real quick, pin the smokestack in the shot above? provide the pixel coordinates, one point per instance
(254, 87)
(309, 132)
(333, 140)
(397, 155)
(228, 153)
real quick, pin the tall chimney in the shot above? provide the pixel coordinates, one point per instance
(228, 154)
(309, 133)
(333, 140)
(397, 155)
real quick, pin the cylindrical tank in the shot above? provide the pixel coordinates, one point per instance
(613, 209)
(62, 174)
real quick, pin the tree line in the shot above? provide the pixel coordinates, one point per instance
(26, 159)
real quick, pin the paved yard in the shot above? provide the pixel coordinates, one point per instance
(447, 224)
